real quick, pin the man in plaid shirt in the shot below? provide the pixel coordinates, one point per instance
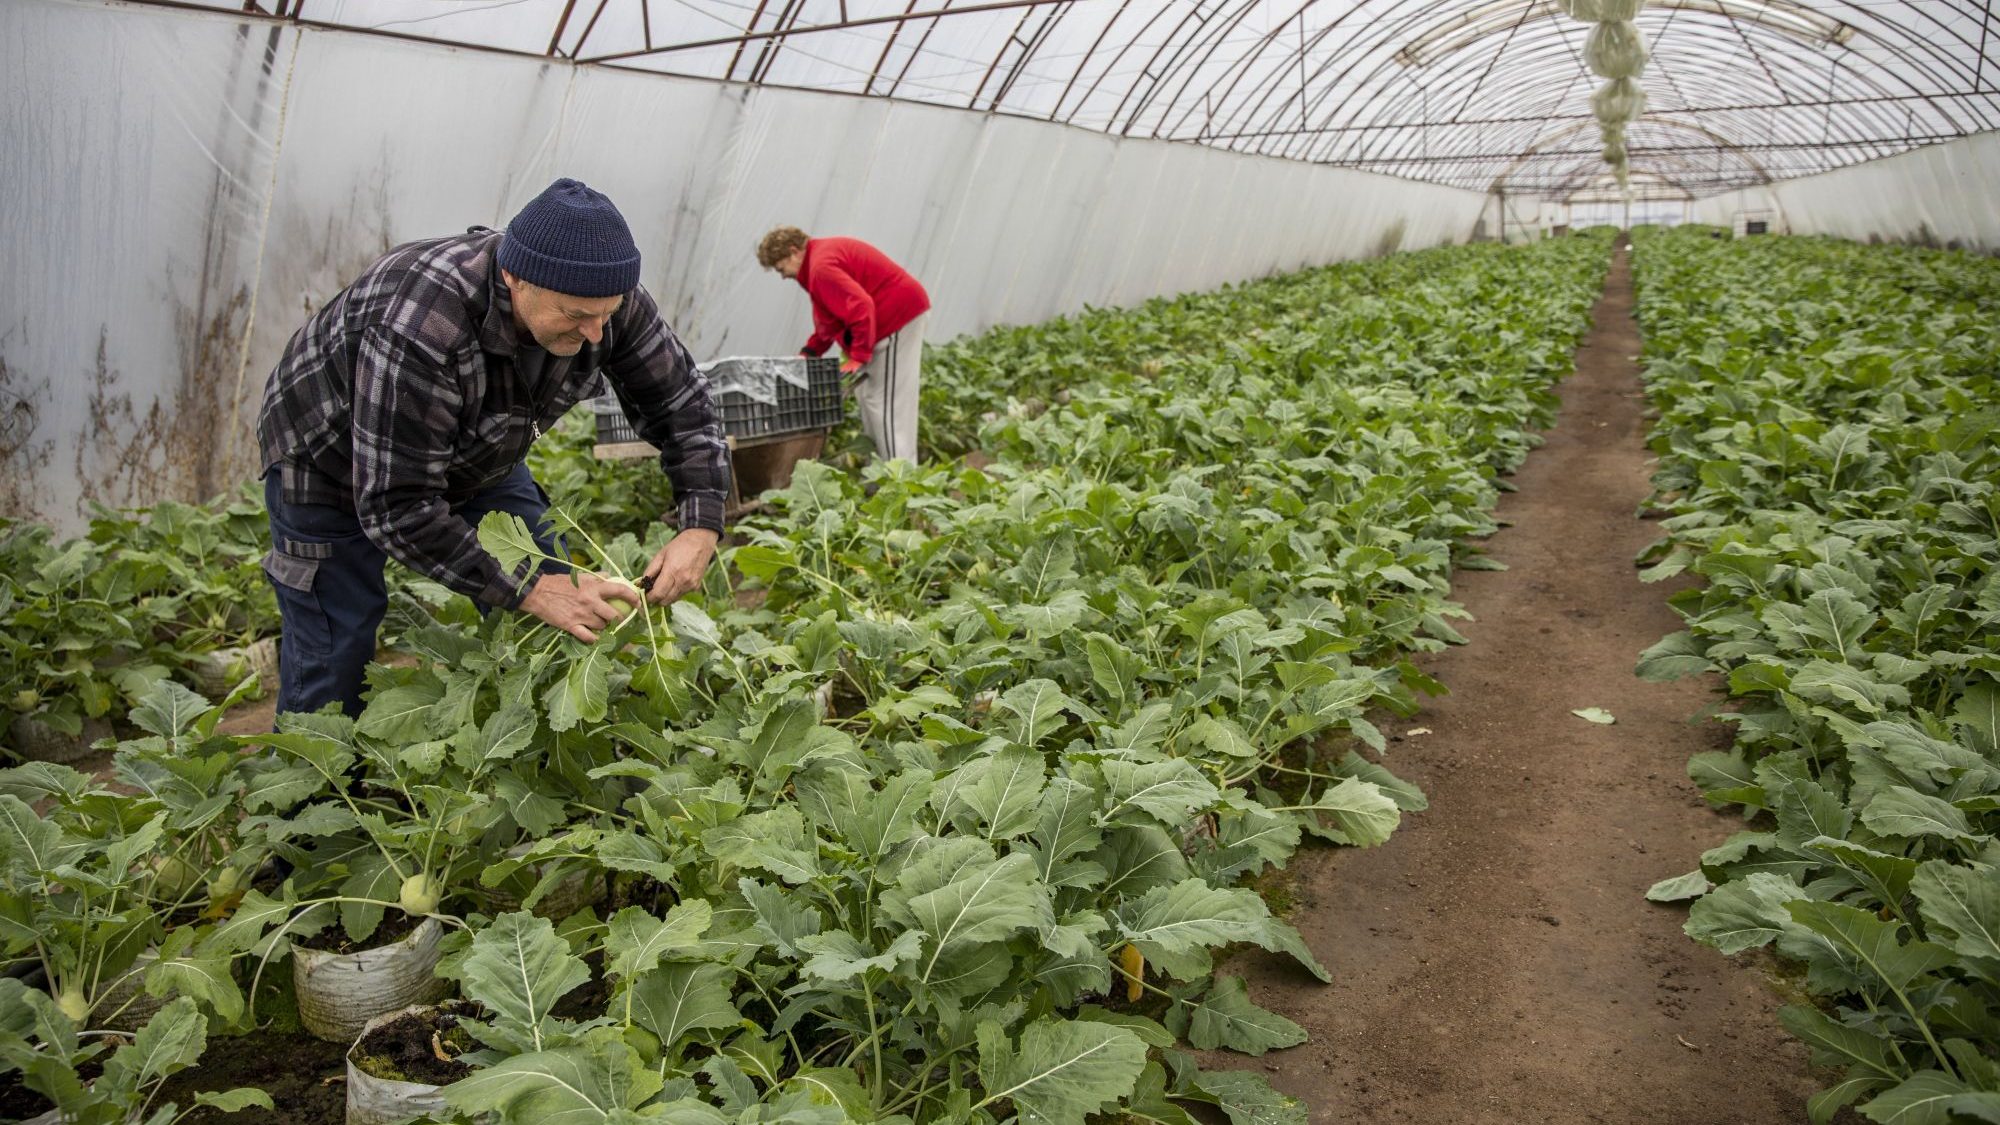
(402, 413)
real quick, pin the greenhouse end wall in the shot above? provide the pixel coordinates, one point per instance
(1940, 195)
(186, 187)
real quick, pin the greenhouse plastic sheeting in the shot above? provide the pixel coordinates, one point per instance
(176, 175)
(1941, 195)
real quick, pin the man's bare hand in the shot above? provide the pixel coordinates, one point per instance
(580, 604)
(679, 565)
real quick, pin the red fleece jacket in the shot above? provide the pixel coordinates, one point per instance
(859, 296)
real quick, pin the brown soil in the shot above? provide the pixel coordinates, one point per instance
(17, 1102)
(395, 926)
(406, 1049)
(306, 1078)
(1496, 961)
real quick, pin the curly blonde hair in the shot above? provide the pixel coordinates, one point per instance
(778, 245)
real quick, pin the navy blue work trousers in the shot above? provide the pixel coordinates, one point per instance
(331, 595)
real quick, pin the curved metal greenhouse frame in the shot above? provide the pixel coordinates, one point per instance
(1490, 95)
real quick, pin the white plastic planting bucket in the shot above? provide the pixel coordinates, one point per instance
(340, 992)
(40, 742)
(388, 1101)
(216, 673)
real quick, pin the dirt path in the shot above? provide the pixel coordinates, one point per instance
(1496, 961)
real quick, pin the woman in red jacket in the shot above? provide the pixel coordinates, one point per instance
(875, 311)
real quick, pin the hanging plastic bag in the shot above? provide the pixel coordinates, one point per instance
(1616, 50)
(1602, 11)
(1618, 101)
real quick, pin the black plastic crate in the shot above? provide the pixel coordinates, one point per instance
(814, 407)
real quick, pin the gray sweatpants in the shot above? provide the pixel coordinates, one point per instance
(885, 392)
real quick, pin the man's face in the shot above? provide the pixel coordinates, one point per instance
(559, 322)
(790, 263)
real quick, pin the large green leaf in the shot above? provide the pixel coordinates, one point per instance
(1065, 826)
(518, 969)
(506, 537)
(1053, 618)
(676, 999)
(782, 918)
(1115, 671)
(1824, 682)
(583, 694)
(1167, 791)
(1220, 736)
(246, 925)
(1832, 620)
(169, 710)
(1001, 791)
(1149, 1105)
(1840, 1044)
(1886, 877)
(506, 732)
(838, 956)
(1034, 710)
(1225, 1018)
(784, 739)
(691, 622)
(886, 818)
(776, 840)
(1060, 1071)
(170, 1042)
(29, 845)
(1925, 1098)
(1961, 907)
(1743, 913)
(586, 1084)
(1906, 812)
(1870, 943)
(636, 941)
(402, 713)
(208, 979)
(1137, 859)
(1246, 1097)
(1677, 656)
(1978, 710)
(962, 896)
(1176, 926)
(1679, 888)
(1362, 814)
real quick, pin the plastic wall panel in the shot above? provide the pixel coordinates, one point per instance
(1942, 195)
(147, 211)
(135, 154)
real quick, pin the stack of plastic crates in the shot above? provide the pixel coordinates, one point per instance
(815, 406)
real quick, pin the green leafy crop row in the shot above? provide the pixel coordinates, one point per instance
(89, 625)
(1828, 416)
(939, 801)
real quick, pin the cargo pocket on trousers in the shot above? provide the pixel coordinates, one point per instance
(290, 571)
(294, 572)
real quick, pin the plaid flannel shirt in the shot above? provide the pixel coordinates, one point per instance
(401, 399)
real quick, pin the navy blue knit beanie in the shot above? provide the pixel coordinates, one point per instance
(572, 240)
